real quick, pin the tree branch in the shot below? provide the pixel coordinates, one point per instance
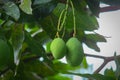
(106, 60)
(95, 56)
(109, 8)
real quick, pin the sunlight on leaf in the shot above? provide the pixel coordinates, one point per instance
(26, 6)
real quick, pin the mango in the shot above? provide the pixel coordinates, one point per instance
(58, 48)
(75, 52)
(4, 54)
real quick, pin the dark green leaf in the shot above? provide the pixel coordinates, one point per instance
(36, 48)
(63, 67)
(94, 6)
(91, 40)
(37, 2)
(41, 36)
(49, 24)
(26, 6)
(76, 4)
(111, 2)
(109, 72)
(3, 1)
(5, 54)
(83, 20)
(24, 74)
(92, 44)
(42, 10)
(40, 68)
(12, 10)
(96, 37)
(117, 61)
(25, 18)
(17, 39)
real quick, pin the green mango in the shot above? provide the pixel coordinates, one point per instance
(75, 53)
(58, 48)
(4, 54)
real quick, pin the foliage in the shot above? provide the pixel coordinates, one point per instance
(27, 26)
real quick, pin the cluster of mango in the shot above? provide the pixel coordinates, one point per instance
(72, 49)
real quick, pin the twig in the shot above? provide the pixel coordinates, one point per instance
(101, 67)
(109, 8)
(106, 60)
(95, 56)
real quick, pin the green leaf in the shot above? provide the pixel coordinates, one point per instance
(25, 73)
(40, 68)
(4, 54)
(96, 37)
(92, 76)
(3, 1)
(117, 62)
(94, 6)
(12, 10)
(77, 4)
(63, 67)
(109, 72)
(41, 36)
(111, 2)
(42, 10)
(26, 6)
(37, 2)
(84, 63)
(84, 21)
(49, 25)
(36, 48)
(48, 47)
(92, 44)
(17, 39)
(91, 40)
(32, 28)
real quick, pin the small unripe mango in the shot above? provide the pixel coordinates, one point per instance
(58, 48)
(75, 52)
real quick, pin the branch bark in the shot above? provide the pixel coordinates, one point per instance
(109, 8)
(106, 60)
(95, 56)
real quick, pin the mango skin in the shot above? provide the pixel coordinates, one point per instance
(58, 48)
(4, 54)
(75, 52)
